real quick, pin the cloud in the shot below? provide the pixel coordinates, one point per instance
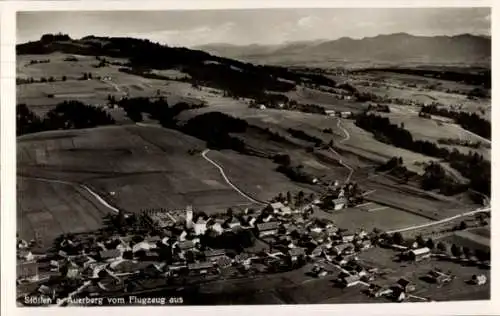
(190, 37)
(308, 21)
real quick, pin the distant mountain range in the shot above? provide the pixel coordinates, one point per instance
(395, 48)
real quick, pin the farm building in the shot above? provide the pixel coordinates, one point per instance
(142, 246)
(339, 203)
(233, 222)
(342, 248)
(213, 255)
(286, 211)
(439, 277)
(398, 294)
(25, 255)
(22, 244)
(73, 272)
(376, 290)
(406, 285)
(479, 279)
(186, 245)
(276, 206)
(109, 254)
(200, 267)
(345, 114)
(419, 254)
(27, 271)
(295, 253)
(330, 112)
(348, 238)
(349, 281)
(159, 218)
(267, 229)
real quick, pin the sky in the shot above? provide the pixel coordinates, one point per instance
(256, 26)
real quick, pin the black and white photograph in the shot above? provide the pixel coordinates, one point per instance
(266, 156)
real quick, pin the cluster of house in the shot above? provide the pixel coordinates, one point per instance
(181, 249)
(284, 229)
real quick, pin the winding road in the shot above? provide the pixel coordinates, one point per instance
(346, 138)
(221, 170)
(448, 219)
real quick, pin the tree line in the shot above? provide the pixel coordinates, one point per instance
(472, 166)
(66, 115)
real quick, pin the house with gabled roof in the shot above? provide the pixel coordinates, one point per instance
(267, 229)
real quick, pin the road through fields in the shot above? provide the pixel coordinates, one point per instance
(448, 219)
(221, 170)
(98, 198)
(346, 138)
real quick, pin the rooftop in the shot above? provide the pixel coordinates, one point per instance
(268, 226)
(200, 265)
(420, 251)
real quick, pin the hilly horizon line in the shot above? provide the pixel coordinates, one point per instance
(323, 40)
(285, 43)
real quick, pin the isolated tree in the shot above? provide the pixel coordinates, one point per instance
(481, 255)
(397, 238)
(467, 252)
(63, 78)
(420, 240)
(281, 198)
(300, 197)
(289, 197)
(312, 197)
(430, 243)
(128, 255)
(441, 246)
(229, 212)
(463, 225)
(456, 250)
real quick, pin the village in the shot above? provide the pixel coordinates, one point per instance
(164, 249)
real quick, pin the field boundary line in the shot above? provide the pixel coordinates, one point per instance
(82, 186)
(378, 209)
(221, 170)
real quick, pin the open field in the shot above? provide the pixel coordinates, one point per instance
(93, 91)
(293, 287)
(482, 231)
(458, 289)
(468, 239)
(145, 167)
(372, 216)
(48, 209)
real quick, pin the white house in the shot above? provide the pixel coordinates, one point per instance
(479, 279)
(200, 227)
